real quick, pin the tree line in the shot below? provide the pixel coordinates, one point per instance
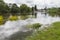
(54, 11)
(14, 9)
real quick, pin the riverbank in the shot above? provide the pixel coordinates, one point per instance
(11, 27)
(51, 33)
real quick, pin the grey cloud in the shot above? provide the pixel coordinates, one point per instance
(39, 3)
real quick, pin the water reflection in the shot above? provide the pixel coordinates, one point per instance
(45, 18)
(13, 27)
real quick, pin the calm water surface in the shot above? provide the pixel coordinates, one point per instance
(10, 29)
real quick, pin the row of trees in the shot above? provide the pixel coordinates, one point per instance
(13, 8)
(3, 7)
(54, 11)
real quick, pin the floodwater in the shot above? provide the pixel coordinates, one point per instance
(45, 18)
(11, 29)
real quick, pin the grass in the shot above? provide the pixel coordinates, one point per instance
(23, 17)
(52, 33)
(34, 26)
(1, 20)
(13, 18)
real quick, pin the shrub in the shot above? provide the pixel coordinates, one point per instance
(13, 18)
(1, 20)
(34, 26)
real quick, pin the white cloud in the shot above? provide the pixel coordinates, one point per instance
(9, 1)
(39, 3)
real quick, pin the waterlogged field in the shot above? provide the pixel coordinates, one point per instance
(13, 18)
(28, 27)
(50, 33)
(20, 22)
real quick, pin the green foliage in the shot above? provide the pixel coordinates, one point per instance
(3, 7)
(1, 20)
(52, 33)
(13, 18)
(1, 1)
(25, 9)
(54, 11)
(34, 26)
(23, 17)
(14, 9)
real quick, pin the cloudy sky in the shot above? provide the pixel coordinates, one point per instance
(39, 3)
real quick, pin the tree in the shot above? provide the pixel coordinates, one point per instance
(35, 8)
(25, 9)
(3, 7)
(14, 9)
(32, 10)
(1, 1)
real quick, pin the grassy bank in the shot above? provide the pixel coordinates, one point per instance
(52, 33)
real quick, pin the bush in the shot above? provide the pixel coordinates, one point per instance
(13, 18)
(1, 20)
(34, 26)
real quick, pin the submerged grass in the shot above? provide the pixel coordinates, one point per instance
(13, 18)
(52, 33)
(1, 20)
(23, 17)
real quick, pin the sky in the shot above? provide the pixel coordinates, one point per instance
(39, 3)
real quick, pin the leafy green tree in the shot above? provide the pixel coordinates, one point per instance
(14, 9)
(1, 1)
(25, 9)
(29, 9)
(3, 7)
